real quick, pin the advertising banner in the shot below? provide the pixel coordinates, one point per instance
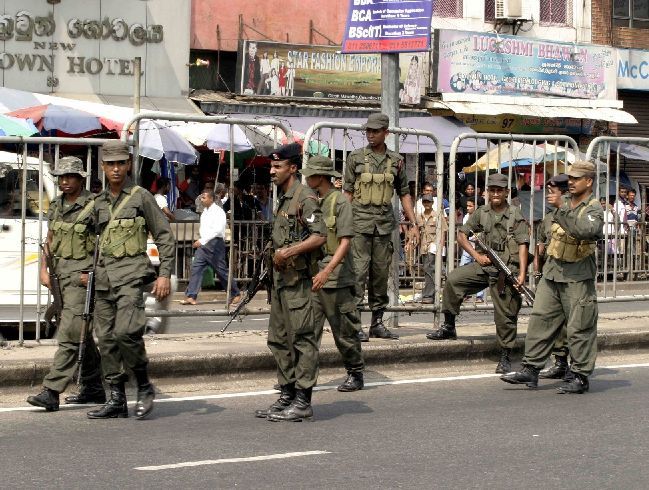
(507, 123)
(301, 70)
(632, 69)
(383, 26)
(486, 63)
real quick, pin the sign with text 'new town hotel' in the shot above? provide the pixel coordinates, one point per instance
(88, 46)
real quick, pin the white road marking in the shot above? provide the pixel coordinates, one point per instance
(230, 460)
(247, 319)
(222, 396)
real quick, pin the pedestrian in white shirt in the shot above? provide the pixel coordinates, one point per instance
(210, 251)
(163, 185)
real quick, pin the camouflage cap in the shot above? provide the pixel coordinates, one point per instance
(498, 180)
(378, 120)
(114, 151)
(69, 165)
(320, 165)
(581, 168)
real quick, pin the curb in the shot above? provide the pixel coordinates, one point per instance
(30, 373)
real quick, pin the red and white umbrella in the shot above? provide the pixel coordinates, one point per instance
(68, 120)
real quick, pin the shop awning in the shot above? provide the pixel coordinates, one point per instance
(179, 105)
(445, 128)
(599, 110)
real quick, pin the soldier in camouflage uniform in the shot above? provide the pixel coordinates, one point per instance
(298, 232)
(566, 294)
(126, 214)
(333, 286)
(372, 175)
(506, 231)
(556, 187)
(70, 240)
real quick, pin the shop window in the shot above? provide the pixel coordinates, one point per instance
(631, 13)
(447, 8)
(556, 12)
(490, 10)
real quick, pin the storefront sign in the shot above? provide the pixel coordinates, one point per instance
(632, 69)
(375, 26)
(290, 70)
(484, 63)
(507, 123)
(88, 46)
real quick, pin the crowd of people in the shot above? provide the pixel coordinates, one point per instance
(329, 247)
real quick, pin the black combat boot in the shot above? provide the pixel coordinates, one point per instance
(575, 384)
(362, 336)
(558, 370)
(299, 409)
(47, 399)
(92, 392)
(445, 332)
(115, 407)
(145, 394)
(378, 330)
(287, 395)
(505, 364)
(528, 375)
(354, 382)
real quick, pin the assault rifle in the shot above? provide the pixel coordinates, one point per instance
(509, 276)
(262, 277)
(88, 310)
(53, 313)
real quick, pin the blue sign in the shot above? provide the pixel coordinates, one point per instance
(387, 26)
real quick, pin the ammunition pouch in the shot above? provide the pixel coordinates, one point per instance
(566, 248)
(125, 237)
(330, 222)
(375, 189)
(71, 240)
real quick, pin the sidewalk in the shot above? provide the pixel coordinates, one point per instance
(214, 354)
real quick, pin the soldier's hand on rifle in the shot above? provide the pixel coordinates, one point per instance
(483, 260)
(83, 278)
(45, 279)
(161, 288)
(280, 258)
(320, 280)
(522, 277)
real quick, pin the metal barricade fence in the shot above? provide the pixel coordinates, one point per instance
(340, 144)
(28, 177)
(624, 249)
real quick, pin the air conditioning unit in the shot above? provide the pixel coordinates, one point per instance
(512, 10)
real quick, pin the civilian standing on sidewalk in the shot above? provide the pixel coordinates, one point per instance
(210, 250)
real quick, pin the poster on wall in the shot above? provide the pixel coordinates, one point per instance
(301, 70)
(486, 63)
(384, 26)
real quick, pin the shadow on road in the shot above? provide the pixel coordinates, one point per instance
(330, 411)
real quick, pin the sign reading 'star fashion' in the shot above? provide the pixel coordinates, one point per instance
(485, 63)
(88, 46)
(301, 70)
(375, 26)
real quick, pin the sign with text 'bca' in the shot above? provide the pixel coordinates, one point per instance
(384, 26)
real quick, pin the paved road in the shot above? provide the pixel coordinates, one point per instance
(179, 325)
(461, 428)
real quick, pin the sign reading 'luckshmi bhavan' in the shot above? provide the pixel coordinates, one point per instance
(375, 26)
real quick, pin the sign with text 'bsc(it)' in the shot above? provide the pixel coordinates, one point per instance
(375, 26)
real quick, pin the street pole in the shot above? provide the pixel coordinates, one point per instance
(137, 83)
(390, 106)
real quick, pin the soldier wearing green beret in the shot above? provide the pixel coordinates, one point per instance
(298, 231)
(372, 175)
(70, 240)
(508, 234)
(566, 293)
(126, 214)
(333, 286)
